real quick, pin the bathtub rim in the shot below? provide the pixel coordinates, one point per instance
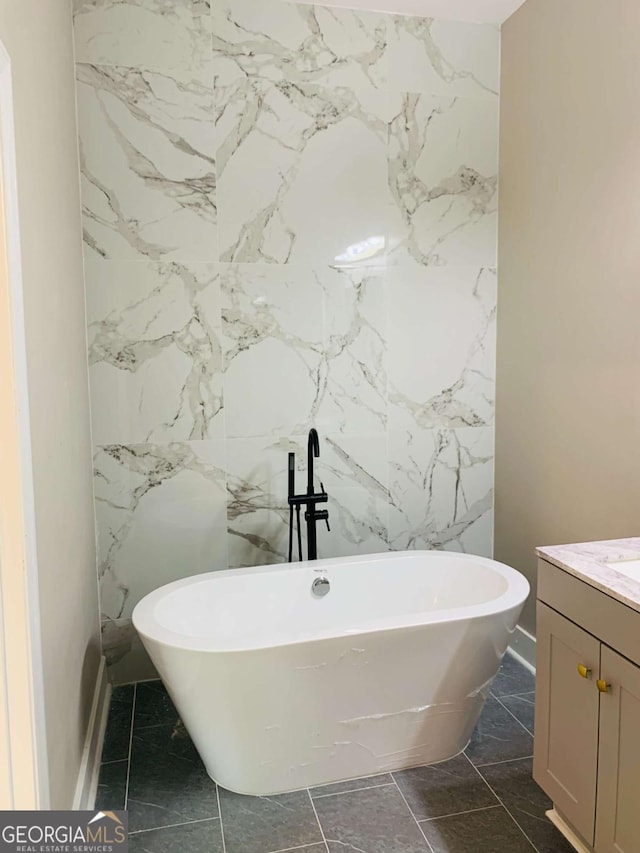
(148, 627)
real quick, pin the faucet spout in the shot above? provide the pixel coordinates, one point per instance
(310, 500)
(313, 449)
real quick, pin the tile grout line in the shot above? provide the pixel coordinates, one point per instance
(158, 725)
(417, 822)
(351, 791)
(133, 713)
(301, 847)
(514, 695)
(514, 716)
(313, 806)
(457, 814)
(504, 761)
(499, 799)
(172, 825)
(224, 846)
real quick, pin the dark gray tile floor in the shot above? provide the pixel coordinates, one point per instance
(483, 801)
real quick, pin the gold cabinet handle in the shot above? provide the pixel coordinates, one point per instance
(603, 687)
(584, 671)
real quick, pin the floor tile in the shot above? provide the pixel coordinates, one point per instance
(352, 785)
(311, 848)
(376, 820)
(112, 785)
(498, 737)
(513, 678)
(526, 801)
(444, 789)
(153, 706)
(167, 783)
(118, 732)
(522, 707)
(202, 837)
(308, 848)
(487, 831)
(265, 824)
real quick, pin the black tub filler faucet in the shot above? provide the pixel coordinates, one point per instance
(310, 500)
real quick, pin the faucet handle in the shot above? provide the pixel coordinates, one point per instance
(326, 519)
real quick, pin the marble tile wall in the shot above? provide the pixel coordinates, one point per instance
(289, 220)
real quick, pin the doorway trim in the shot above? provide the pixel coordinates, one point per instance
(24, 776)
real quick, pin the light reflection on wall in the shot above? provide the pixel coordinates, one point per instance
(363, 251)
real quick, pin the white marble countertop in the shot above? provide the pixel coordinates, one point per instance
(591, 563)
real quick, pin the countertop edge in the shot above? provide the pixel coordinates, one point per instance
(593, 570)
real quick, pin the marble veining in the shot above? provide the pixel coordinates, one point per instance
(155, 354)
(451, 383)
(443, 57)
(158, 506)
(147, 157)
(289, 218)
(443, 174)
(324, 330)
(441, 489)
(267, 321)
(273, 40)
(156, 35)
(591, 562)
(279, 214)
(354, 472)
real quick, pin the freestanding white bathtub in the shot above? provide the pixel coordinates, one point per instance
(282, 690)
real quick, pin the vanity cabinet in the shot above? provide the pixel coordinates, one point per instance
(618, 809)
(587, 728)
(566, 741)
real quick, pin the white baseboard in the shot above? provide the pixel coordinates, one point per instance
(87, 785)
(523, 646)
(568, 833)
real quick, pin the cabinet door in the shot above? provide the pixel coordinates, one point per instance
(618, 822)
(565, 763)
